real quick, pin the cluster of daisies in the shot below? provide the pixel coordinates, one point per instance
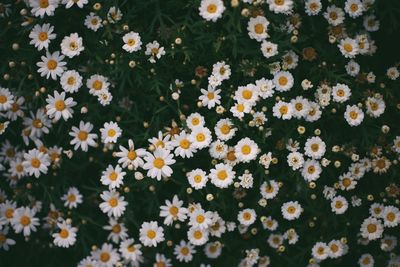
(223, 145)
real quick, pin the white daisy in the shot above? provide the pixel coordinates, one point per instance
(114, 14)
(82, 137)
(197, 178)
(334, 15)
(110, 132)
(211, 10)
(183, 146)
(24, 220)
(157, 164)
(72, 198)
(161, 141)
(195, 120)
(131, 251)
(70, 3)
(282, 110)
(113, 177)
(93, 22)
(173, 211)
(197, 236)
(132, 42)
(51, 65)
(155, 51)
(354, 8)
(375, 106)
(265, 88)
(200, 137)
(353, 115)
(247, 217)
(391, 216)
(313, 7)
(71, 81)
(5, 242)
(314, 147)
(224, 129)
(151, 234)
(106, 256)
(114, 204)
(184, 251)
(320, 251)
(283, 81)
(348, 47)
(117, 230)
(341, 93)
(291, 210)
(36, 162)
(269, 49)
(97, 84)
(311, 170)
(71, 45)
(42, 35)
(257, 28)
(210, 97)
(239, 109)
(371, 228)
(246, 150)
(280, 6)
(57, 106)
(40, 8)
(131, 156)
(366, 260)
(269, 190)
(222, 175)
(247, 94)
(218, 149)
(66, 236)
(339, 205)
(6, 99)
(221, 70)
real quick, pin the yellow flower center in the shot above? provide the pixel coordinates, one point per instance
(131, 42)
(64, 233)
(184, 251)
(185, 144)
(195, 121)
(211, 8)
(197, 234)
(283, 110)
(43, 36)
(200, 137)
(116, 229)
(25, 220)
(353, 114)
(97, 85)
(3, 99)
(246, 149)
(279, 2)
(348, 48)
(246, 215)
(132, 155)
(43, 3)
(113, 202)
(35, 162)
(291, 209)
(354, 7)
(225, 129)
(131, 248)
(59, 105)
(151, 234)
(247, 94)
(51, 64)
(111, 133)
(105, 256)
(9, 213)
(371, 228)
(283, 80)
(173, 210)
(197, 178)
(113, 176)
(158, 163)
(210, 95)
(314, 147)
(222, 175)
(82, 135)
(200, 218)
(71, 198)
(391, 216)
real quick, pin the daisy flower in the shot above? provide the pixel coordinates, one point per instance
(106, 256)
(51, 65)
(70, 3)
(104, 97)
(375, 106)
(371, 228)
(210, 97)
(41, 36)
(184, 251)
(211, 10)
(161, 141)
(300, 107)
(7, 210)
(391, 216)
(93, 22)
(200, 219)
(132, 42)
(197, 236)
(341, 93)
(71, 81)
(269, 190)
(195, 120)
(173, 211)
(6, 99)
(57, 106)
(72, 198)
(282, 110)
(113, 177)
(269, 49)
(40, 8)
(157, 164)
(320, 251)
(222, 175)
(348, 47)
(151, 234)
(114, 14)
(370, 23)
(336, 249)
(183, 146)
(218, 149)
(354, 8)
(200, 137)
(5, 242)
(155, 51)
(224, 129)
(97, 84)
(114, 204)
(221, 70)
(339, 205)
(110, 132)
(131, 251)
(24, 220)
(311, 170)
(246, 150)
(366, 260)
(281, 6)
(257, 28)
(16, 109)
(353, 115)
(36, 162)
(247, 217)
(71, 45)
(313, 7)
(247, 94)
(82, 137)
(334, 15)
(283, 81)
(291, 210)
(161, 260)
(265, 88)
(315, 147)
(239, 109)
(117, 230)
(197, 178)
(66, 236)
(131, 156)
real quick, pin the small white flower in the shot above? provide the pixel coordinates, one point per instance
(71, 45)
(151, 234)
